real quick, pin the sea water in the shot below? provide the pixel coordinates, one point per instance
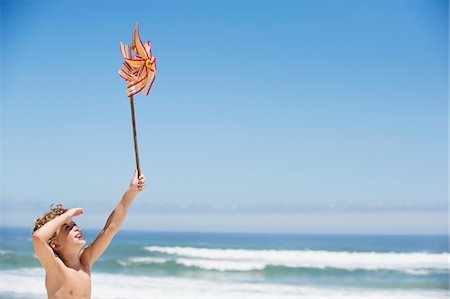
(231, 265)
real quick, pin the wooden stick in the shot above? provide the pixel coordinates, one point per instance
(135, 137)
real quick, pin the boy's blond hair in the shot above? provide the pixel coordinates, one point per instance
(55, 210)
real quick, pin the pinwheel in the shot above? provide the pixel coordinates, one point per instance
(138, 70)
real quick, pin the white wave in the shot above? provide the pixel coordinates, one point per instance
(13, 281)
(124, 286)
(245, 259)
(221, 265)
(142, 260)
(417, 272)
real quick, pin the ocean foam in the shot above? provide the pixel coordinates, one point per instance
(222, 265)
(13, 281)
(246, 260)
(142, 260)
(123, 286)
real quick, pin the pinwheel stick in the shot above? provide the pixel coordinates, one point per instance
(135, 137)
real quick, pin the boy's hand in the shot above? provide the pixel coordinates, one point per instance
(74, 212)
(137, 184)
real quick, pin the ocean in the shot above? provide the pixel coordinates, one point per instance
(235, 265)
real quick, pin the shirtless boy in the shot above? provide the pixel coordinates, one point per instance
(58, 243)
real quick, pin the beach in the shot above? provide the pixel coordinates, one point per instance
(232, 265)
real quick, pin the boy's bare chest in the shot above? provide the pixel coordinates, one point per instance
(72, 283)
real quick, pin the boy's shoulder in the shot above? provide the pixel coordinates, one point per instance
(61, 267)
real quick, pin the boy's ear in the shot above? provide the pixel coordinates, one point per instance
(55, 246)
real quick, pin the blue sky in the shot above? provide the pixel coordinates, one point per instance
(320, 114)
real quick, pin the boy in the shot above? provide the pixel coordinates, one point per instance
(58, 244)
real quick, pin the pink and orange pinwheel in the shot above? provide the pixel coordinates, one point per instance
(138, 70)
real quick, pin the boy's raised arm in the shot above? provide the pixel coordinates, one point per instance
(114, 222)
(41, 236)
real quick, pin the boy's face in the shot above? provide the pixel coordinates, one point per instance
(69, 235)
